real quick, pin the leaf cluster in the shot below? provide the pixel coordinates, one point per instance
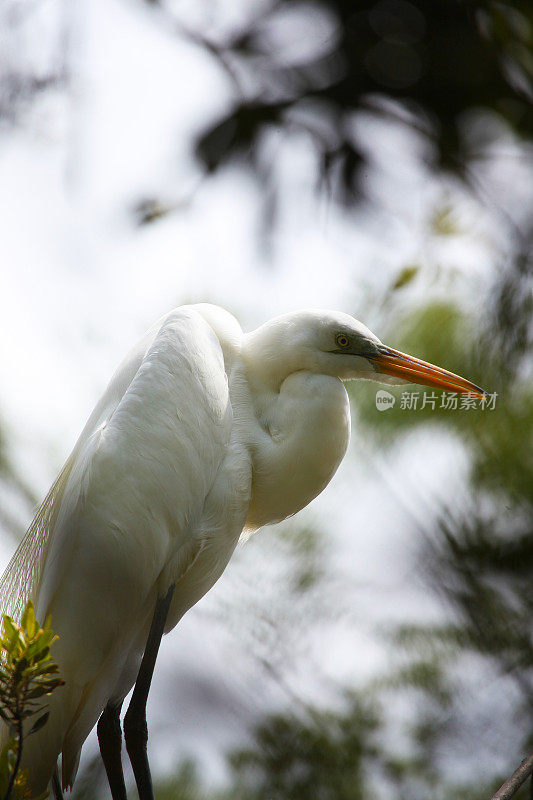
(321, 755)
(27, 675)
(27, 672)
(388, 59)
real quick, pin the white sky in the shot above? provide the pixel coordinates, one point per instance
(79, 283)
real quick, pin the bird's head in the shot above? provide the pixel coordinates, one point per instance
(333, 343)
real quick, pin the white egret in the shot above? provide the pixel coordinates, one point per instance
(202, 434)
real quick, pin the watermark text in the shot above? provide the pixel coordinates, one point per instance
(449, 401)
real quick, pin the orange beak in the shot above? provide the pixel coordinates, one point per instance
(413, 370)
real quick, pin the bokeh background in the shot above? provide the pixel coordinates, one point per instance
(373, 157)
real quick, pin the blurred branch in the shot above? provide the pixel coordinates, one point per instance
(24, 76)
(363, 56)
(217, 51)
(513, 784)
(19, 88)
(172, 23)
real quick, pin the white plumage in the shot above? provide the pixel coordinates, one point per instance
(202, 434)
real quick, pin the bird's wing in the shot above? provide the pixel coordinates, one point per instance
(177, 372)
(22, 573)
(21, 578)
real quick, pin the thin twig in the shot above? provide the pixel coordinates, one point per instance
(516, 780)
(19, 755)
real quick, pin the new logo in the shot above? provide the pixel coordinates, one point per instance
(384, 400)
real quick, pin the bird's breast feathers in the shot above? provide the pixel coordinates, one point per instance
(298, 446)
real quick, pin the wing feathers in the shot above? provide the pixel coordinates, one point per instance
(20, 581)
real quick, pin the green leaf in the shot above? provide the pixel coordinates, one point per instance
(405, 276)
(20, 666)
(46, 638)
(33, 651)
(38, 724)
(12, 639)
(37, 691)
(444, 223)
(6, 715)
(8, 627)
(28, 622)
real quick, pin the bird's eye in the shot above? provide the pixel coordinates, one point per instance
(342, 340)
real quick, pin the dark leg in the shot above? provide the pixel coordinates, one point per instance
(110, 741)
(56, 785)
(135, 728)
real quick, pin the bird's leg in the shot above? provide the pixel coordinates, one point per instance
(135, 728)
(56, 785)
(110, 741)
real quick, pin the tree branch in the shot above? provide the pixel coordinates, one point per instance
(19, 753)
(516, 780)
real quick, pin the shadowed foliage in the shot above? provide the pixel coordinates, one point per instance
(440, 67)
